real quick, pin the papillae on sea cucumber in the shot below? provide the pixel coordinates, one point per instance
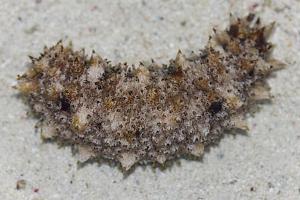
(150, 112)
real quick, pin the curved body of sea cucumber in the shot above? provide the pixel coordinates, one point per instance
(150, 112)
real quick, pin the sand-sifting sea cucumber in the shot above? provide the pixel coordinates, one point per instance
(150, 112)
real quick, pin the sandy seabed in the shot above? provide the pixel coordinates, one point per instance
(265, 164)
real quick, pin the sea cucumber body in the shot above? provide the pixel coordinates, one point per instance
(150, 112)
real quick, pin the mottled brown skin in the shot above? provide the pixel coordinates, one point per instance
(150, 112)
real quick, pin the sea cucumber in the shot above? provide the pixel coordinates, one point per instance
(150, 112)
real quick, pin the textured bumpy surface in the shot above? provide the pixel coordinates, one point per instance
(150, 112)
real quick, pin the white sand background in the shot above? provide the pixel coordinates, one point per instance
(265, 164)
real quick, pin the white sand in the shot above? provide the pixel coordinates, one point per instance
(263, 165)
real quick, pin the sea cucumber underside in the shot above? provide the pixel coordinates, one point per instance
(151, 112)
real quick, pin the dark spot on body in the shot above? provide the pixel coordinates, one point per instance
(234, 30)
(251, 72)
(65, 104)
(250, 17)
(257, 21)
(260, 41)
(215, 107)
